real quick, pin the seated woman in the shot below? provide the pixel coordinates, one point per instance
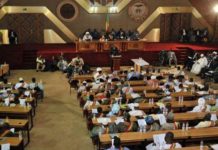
(202, 106)
(90, 102)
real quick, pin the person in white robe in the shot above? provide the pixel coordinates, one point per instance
(199, 64)
(87, 37)
(202, 106)
(99, 74)
(167, 145)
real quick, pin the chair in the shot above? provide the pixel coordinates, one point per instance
(73, 84)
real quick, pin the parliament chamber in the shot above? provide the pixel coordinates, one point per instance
(108, 74)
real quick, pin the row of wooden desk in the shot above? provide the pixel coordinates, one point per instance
(4, 69)
(97, 46)
(133, 138)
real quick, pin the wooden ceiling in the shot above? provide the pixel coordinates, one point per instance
(205, 7)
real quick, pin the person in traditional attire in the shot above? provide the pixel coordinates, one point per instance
(87, 37)
(199, 64)
(172, 57)
(77, 64)
(40, 64)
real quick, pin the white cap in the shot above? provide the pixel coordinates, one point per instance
(20, 79)
(87, 32)
(214, 52)
(131, 68)
(201, 101)
(202, 55)
(84, 82)
(99, 69)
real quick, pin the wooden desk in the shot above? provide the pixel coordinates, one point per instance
(134, 137)
(134, 45)
(15, 142)
(139, 89)
(179, 117)
(87, 46)
(20, 125)
(5, 69)
(136, 83)
(17, 112)
(82, 78)
(184, 94)
(106, 46)
(193, 148)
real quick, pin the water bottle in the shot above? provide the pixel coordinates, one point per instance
(183, 127)
(202, 145)
(182, 98)
(179, 99)
(20, 135)
(187, 126)
(152, 101)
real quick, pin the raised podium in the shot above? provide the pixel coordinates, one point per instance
(115, 62)
(139, 63)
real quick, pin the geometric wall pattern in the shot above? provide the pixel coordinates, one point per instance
(29, 27)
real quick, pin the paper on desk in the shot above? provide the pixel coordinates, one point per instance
(22, 102)
(162, 119)
(136, 113)
(103, 120)
(118, 120)
(27, 93)
(135, 95)
(141, 122)
(94, 111)
(5, 146)
(12, 130)
(7, 101)
(202, 92)
(159, 139)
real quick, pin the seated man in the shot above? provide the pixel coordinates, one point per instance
(132, 75)
(169, 143)
(87, 37)
(37, 87)
(40, 63)
(21, 84)
(199, 64)
(77, 64)
(202, 106)
(99, 74)
(172, 57)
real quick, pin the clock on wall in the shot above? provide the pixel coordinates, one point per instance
(138, 11)
(67, 10)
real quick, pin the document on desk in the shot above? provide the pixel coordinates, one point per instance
(103, 120)
(135, 95)
(141, 122)
(5, 146)
(119, 120)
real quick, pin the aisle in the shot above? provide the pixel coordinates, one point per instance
(58, 124)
